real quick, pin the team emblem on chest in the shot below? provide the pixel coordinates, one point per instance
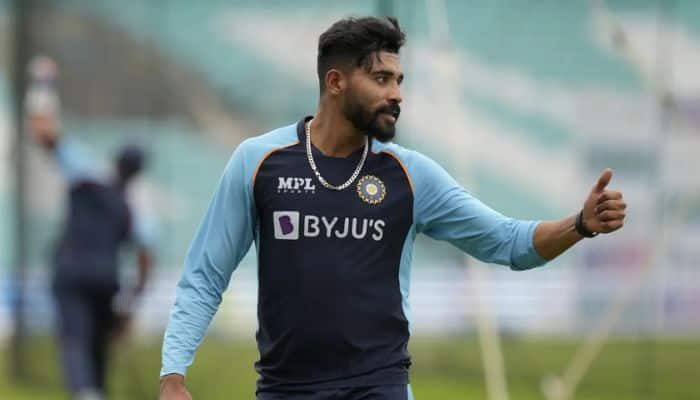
(371, 189)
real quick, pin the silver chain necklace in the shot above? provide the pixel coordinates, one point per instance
(312, 163)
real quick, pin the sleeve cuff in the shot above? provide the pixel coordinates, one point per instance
(168, 369)
(530, 258)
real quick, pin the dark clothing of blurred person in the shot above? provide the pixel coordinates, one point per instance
(86, 278)
(91, 307)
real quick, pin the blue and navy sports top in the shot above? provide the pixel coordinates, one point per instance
(333, 267)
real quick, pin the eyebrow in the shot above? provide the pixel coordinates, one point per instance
(387, 72)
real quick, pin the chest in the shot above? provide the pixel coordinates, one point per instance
(292, 203)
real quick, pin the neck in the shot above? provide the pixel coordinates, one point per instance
(119, 182)
(334, 135)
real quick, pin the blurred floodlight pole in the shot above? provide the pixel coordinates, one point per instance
(446, 65)
(565, 387)
(20, 45)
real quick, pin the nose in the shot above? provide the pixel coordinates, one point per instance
(395, 94)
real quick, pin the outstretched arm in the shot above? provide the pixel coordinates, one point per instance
(445, 211)
(73, 161)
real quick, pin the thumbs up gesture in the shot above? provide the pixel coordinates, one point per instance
(604, 209)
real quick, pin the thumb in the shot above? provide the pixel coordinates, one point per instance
(603, 181)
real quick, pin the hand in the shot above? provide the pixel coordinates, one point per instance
(604, 210)
(44, 128)
(172, 387)
(122, 326)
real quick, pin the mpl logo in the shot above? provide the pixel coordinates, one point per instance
(295, 185)
(286, 225)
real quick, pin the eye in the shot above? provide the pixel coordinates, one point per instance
(381, 79)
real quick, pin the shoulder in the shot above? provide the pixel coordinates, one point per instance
(416, 164)
(248, 156)
(90, 187)
(258, 146)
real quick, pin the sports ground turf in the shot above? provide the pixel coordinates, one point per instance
(443, 369)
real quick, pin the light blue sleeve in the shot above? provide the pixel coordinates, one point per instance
(444, 210)
(75, 162)
(222, 239)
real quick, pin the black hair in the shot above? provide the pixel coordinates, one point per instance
(130, 160)
(351, 42)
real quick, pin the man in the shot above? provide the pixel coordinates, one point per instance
(334, 207)
(98, 223)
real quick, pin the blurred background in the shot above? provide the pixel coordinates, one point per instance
(524, 102)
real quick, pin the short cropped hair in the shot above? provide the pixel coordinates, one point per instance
(350, 43)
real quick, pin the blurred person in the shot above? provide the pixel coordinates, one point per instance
(91, 308)
(334, 206)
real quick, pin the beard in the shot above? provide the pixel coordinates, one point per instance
(368, 121)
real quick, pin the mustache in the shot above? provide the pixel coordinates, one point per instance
(391, 108)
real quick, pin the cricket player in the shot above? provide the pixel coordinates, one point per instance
(92, 307)
(333, 207)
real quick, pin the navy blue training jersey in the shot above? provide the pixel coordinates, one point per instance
(97, 223)
(333, 266)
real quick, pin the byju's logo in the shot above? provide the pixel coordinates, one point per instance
(295, 185)
(290, 225)
(286, 224)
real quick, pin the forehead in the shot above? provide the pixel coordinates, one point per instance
(385, 60)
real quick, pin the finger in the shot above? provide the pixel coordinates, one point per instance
(609, 195)
(610, 205)
(603, 181)
(611, 215)
(610, 226)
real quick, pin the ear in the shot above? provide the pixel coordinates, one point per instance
(336, 81)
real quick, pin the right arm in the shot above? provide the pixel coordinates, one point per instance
(222, 239)
(444, 210)
(73, 161)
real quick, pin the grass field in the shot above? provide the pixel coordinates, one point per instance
(444, 369)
